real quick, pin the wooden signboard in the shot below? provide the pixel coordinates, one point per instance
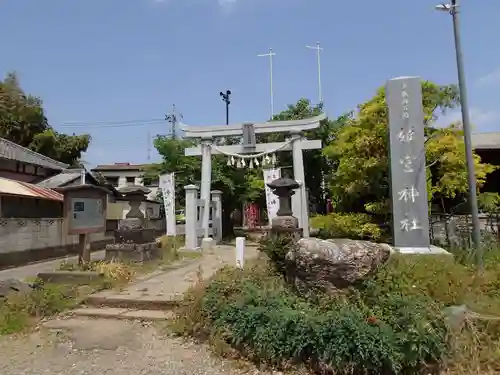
(85, 213)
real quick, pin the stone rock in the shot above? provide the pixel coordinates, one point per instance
(13, 286)
(456, 316)
(330, 265)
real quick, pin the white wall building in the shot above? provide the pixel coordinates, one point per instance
(123, 174)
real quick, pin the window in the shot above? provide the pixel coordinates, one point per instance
(112, 181)
(21, 168)
(130, 180)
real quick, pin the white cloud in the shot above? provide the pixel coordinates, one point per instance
(481, 119)
(492, 78)
(225, 5)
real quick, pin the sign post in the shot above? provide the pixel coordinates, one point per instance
(85, 213)
(410, 209)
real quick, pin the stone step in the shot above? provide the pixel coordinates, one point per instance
(119, 313)
(133, 302)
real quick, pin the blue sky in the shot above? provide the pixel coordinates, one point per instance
(100, 66)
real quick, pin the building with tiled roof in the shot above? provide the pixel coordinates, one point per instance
(123, 174)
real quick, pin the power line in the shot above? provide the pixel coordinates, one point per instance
(71, 123)
(107, 126)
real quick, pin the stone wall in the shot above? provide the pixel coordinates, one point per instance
(28, 240)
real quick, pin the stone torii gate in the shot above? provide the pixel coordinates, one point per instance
(250, 152)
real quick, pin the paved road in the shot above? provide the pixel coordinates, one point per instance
(34, 269)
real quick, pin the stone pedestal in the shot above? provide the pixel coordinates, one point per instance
(423, 250)
(207, 244)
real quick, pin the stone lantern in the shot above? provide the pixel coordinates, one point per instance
(284, 188)
(135, 195)
(134, 241)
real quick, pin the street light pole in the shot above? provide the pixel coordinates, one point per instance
(270, 54)
(226, 98)
(318, 57)
(454, 9)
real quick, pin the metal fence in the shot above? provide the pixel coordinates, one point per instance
(456, 230)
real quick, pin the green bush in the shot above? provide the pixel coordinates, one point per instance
(254, 312)
(276, 247)
(353, 226)
(390, 323)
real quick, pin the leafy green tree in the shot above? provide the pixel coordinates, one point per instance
(65, 148)
(316, 165)
(360, 181)
(23, 121)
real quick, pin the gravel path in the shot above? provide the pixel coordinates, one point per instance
(107, 347)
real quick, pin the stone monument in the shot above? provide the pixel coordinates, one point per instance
(410, 206)
(133, 241)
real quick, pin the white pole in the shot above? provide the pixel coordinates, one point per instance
(240, 252)
(270, 54)
(318, 56)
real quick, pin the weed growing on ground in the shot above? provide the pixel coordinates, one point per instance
(19, 310)
(392, 323)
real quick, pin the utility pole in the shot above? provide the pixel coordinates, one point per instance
(270, 55)
(318, 58)
(149, 146)
(454, 9)
(226, 98)
(173, 117)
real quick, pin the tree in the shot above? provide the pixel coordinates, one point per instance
(316, 165)
(65, 148)
(360, 181)
(23, 121)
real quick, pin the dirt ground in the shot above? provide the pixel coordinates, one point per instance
(79, 346)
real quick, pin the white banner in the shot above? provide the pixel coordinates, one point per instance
(272, 200)
(167, 186)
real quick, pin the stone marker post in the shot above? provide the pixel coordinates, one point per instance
(410, 210)
(191, 212)
(217, 215)
(240, 252)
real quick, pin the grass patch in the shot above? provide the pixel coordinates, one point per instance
(22, 310)
(392, 323)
